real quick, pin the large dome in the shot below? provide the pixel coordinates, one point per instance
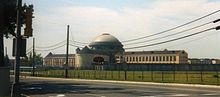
(105, 39)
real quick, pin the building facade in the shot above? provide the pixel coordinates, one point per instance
(59, 60)
(106, 50)
(99, 53)
(203, 61)
(155, 57)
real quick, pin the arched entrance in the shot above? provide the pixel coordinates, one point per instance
(98, 63)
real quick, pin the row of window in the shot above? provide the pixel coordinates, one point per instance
(150, 58)
(58, 62)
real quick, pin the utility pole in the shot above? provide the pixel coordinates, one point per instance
(2, 63)
(2, 36)
(33, 64)
(16, 87)
(67, 53)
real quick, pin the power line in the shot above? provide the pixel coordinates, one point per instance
(192, 40)
(170, 34)
(217, 28)
(57, 47)
(78, 42)
(172, 28)
(75, 46)
(29, 49)
(51, 46)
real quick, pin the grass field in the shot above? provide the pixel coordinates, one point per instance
(189, 77)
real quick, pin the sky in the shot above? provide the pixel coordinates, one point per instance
(124, 19)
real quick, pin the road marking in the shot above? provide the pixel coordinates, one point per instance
(59, 95)
(211, 94)
(96, 95)
(180, 95)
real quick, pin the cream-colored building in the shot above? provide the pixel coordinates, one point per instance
(99, 53)
(58, 60)
(106, 51)
(203, 61)
(165, 57)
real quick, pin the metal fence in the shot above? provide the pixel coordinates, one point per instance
(169, 73)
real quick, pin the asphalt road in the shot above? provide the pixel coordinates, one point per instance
(46, 87)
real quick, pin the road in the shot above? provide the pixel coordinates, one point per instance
(56, 87)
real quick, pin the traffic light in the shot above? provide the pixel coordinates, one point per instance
(28, 31)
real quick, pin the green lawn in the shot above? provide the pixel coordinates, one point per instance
(191, 77)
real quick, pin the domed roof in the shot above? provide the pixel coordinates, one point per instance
(105, 39)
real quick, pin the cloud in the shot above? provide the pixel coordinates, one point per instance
(135, 21)
(86, 22)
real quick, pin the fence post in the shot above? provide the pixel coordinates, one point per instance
(133, 75)
(119, 74)
(202, 73)
(201, 76)
(125, 70)
(162, 75)
(94, 74)
(187, 76)
(151, 70)
(84, 75)
(106, 74)
(142, 75)
(174, 72)
(112, 74)
(152, 75)
(217, 76)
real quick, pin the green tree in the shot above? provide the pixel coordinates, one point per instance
(37, 60)
(7, 23)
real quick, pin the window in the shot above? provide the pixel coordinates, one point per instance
(156, 58)
(174, 58)
(153, 59)
(146, 58)
(167, 58)
(149, 58)
(164, 58)
(139, 58)
(171, 58)
(136, 58)
(160, 58)
(143, 58)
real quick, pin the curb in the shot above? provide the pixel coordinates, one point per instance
(130, 82)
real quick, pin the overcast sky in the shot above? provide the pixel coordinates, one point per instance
(124, 19)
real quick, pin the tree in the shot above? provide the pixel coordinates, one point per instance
(37, 60)
(8, 20)
(7, 23)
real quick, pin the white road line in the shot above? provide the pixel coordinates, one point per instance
(179, 95)
(211, 94)
(59, 95)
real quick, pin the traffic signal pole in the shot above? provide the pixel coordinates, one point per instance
(67, 53)
(16, 86)
(33, 64)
